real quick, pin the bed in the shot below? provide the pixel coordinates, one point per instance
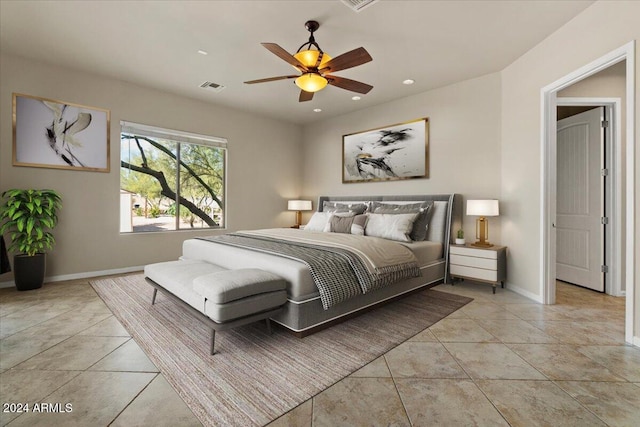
(306, 309)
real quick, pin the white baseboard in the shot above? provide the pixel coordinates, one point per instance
(84, 275)
(524, 292)
(636, 341)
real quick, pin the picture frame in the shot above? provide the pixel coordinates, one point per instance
(394, 152)
(60, 135)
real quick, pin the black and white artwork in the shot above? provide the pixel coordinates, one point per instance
(60, 135)
(389, 153)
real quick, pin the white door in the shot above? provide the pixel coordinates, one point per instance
(579, 204)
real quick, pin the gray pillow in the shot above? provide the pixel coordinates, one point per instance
(357, 208)
(347, 223)
(420, 225)
(397, 207)
(341, 224)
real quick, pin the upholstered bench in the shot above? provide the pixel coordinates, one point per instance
(220, 298)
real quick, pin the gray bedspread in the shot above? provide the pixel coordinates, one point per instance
(339, 273)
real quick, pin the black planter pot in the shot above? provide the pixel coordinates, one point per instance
(28, 271)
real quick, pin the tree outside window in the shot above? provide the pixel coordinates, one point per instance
(170, 180)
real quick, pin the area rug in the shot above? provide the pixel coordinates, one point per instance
(254, 377)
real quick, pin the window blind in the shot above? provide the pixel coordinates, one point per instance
(173, 135)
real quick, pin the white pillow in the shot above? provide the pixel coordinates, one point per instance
(319, 222)
(390, 226)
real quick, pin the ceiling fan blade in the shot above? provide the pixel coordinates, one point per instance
(348, 84)
(283, 54)
(350, 59)
(305, 96)
(271, 79)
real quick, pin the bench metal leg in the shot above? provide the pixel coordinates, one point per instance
(213, 340)
(155, 292)
(268, 326)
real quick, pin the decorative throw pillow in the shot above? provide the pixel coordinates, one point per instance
(348, 223)
(391, 226)
(421, 224)
(319, 222)
(357, 208)
(359, 224)
(341, 224)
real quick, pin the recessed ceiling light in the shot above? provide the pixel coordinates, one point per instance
(203, 52)
(356, 98)
(317, 110)
(408, 82)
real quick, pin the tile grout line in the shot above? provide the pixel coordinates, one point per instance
(395, 385)
(473, 380)
(134, 398)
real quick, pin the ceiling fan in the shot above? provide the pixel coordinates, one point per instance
(316, 66)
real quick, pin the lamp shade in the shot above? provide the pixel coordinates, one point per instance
(309, 58)
(311, 82)
(299, 205)
(482, 208)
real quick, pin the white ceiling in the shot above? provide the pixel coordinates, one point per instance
(155, 44)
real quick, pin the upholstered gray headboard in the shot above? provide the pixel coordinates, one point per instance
(445, 225)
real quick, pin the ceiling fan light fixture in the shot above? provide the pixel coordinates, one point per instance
(317, 68)
(309, 58)
(311, 82)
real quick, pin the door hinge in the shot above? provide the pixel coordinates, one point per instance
(604, 268)
(604, 172)
(604, 220)
(605, 123)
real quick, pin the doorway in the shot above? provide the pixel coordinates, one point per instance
(549, 181)
(588, 177)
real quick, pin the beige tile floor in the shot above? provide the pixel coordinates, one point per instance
(500, 360)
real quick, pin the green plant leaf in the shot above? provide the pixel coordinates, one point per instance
(30, 223)
(26, 215)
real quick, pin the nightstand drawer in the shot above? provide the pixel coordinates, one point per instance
(474, 273)
(469, 261)
(478, 253)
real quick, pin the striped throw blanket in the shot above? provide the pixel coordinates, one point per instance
(342, 266)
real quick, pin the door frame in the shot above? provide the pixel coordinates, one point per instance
(613, 199)
(548, 143)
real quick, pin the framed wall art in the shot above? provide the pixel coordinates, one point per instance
(399, 151)
(59, 135)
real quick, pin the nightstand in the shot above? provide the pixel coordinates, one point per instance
(487, 265)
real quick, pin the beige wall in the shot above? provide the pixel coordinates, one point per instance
(464, 146)
(601, 28)
(261, 151)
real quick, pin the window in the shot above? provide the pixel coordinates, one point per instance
(170, 180)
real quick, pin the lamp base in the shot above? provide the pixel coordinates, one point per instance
(479, 244)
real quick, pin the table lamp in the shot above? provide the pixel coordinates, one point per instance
(299, 206)
(482, 209)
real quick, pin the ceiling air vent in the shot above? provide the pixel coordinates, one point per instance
(212, 86)
(358, 5)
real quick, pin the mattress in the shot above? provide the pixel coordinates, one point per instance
(300, 285)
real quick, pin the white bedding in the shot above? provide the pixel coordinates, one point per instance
(300, 285)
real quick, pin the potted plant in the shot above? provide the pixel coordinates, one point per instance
(28, 215)
(460, 237)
